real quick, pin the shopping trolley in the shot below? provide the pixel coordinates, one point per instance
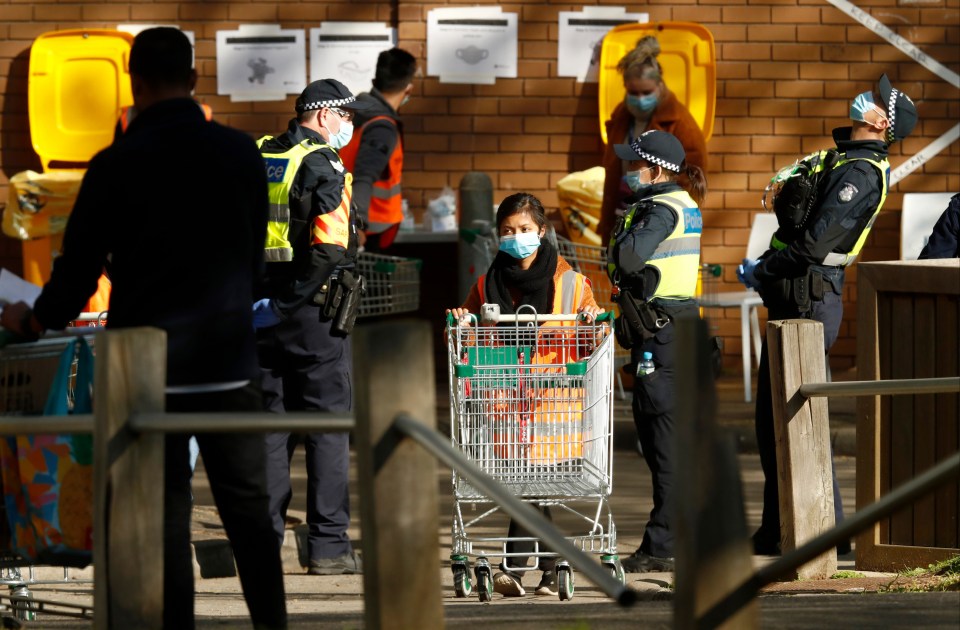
(591, 261)
(26, 372)
(531, 406)
(392, 284)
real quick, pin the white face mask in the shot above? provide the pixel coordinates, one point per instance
(341, 138)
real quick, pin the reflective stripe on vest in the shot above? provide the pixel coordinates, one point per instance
(333, 228)
(834, 259)
(677, 257)
(386, 201)
(567, 293)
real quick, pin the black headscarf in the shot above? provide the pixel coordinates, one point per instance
(534, 284)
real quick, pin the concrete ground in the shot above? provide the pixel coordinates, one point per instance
(337, 602)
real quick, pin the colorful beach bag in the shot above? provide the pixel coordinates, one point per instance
(48, 479)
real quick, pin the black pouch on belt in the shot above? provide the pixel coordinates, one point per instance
(817, 286)
(801, 293)
(638, 320)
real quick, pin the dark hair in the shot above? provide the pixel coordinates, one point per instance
(696, 180)
(395, 70)
(162, 56)
(521, 203)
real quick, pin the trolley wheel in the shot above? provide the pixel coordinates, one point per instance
(23, 610)
(565, 582)
(613, 565)
(461, 581)
(484, 583)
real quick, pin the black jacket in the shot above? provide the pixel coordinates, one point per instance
(179, 205)
(837, 224)
(943, 239)
(377, 143)
(317, 189)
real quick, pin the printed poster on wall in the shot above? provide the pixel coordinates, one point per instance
(348, 51)
(261, 62)
(581, 35)
(471, 45)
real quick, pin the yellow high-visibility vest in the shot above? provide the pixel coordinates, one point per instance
(677, 257)
(332, 227)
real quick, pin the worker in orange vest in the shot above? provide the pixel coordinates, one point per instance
(375, 155)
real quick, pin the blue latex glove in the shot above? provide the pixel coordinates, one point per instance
(745, 274)
(263, 314)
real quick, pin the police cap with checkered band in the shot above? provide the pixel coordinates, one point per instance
(656, 147)
(328, 93)
(901, 112)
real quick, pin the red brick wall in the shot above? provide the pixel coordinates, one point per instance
(787, 70)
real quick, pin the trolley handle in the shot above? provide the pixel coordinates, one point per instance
(466, 320)
(490, 317)
(490, 314)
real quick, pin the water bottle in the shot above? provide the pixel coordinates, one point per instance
(646, 366)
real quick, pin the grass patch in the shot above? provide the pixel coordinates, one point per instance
(940, 576)
(845, 575)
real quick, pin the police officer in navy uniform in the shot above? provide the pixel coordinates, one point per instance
(305, 364)
(801, 275)
(654, 256)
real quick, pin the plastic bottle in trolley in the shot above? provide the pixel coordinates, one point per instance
(646, 366)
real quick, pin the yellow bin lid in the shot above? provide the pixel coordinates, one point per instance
(688, 59)
(79, 80)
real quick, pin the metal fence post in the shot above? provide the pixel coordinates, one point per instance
(475, 204)
(802, 430)
(130, 377)
(394, 373)
(713, 550)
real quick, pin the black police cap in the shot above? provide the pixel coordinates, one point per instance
(327, 93)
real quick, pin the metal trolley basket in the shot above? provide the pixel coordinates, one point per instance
(26, 372)
(392, 284)
(531, 405)
(591, 261)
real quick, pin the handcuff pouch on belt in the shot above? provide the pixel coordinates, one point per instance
(339, 300)
(797, 293)
(639, 320)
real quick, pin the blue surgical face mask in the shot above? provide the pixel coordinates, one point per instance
(862, 104)
(633, 181)
(520, 245)
(342, 137)
(645, 103)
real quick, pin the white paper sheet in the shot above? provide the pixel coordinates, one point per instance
(348, 51)
(471, 45)
(581, 35)
(15, 289)
(261, 62)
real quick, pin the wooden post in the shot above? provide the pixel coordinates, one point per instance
(802, 430)
(712, 545)
(394, 373)
(130, 377)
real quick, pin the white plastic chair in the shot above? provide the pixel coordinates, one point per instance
(764, 225)
(920, 213)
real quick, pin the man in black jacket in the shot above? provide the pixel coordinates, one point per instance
(801, 275)
(171, 181)
(305, 364)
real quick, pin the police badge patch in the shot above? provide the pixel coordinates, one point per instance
(848, 192)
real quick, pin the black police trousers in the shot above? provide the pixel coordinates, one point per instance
(829, 312)
(306, 368)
